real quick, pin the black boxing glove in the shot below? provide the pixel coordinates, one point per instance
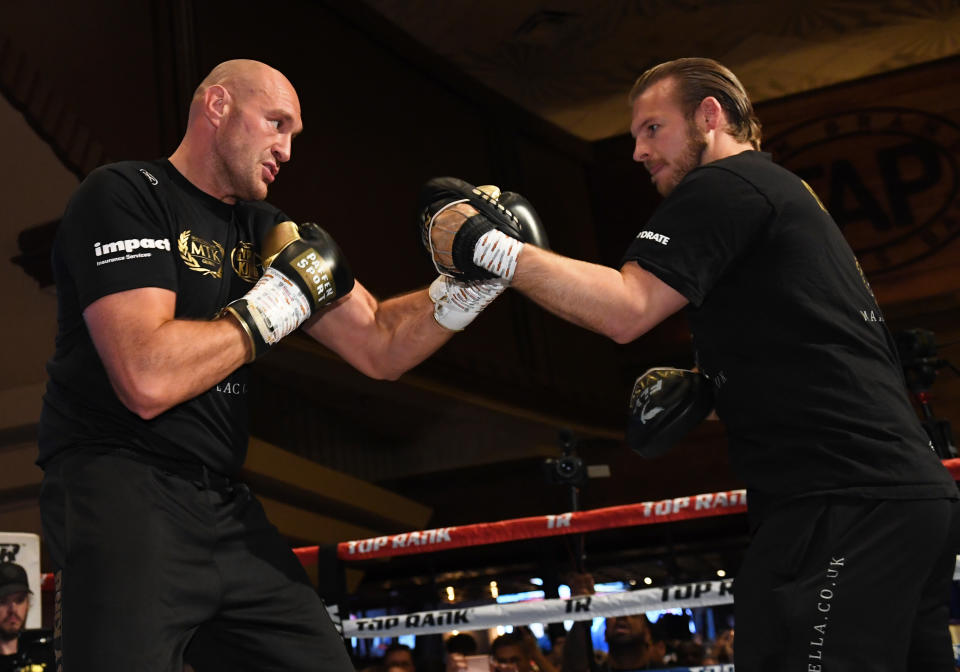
(304, 270)
(666, 403)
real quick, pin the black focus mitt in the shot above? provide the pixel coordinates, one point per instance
(666, 403)
(451, 245)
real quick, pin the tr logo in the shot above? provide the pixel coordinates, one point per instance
(9, 552)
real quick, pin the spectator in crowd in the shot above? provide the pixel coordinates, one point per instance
(558, 637)
(458, 647)
(633, 642)
(675, 630)
(690, 653)
(722, 649)
(18, 651)
(398, 658)
(518, 651)
(365, 664)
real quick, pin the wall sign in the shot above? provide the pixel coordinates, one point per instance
(889, 176)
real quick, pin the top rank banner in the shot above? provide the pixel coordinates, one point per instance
(583, 608)
(644, 513)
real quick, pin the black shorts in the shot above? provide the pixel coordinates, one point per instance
(841, 584)
(149, 563)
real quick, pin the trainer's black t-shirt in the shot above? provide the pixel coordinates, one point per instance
(142, 224)
(806, 375)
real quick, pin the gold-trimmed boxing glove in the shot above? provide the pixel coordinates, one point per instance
(304, 270)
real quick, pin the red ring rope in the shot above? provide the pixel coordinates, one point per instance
(644, 513)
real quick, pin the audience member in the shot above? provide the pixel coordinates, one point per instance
(20, 650)
(633, 642)
(690, 653)
(722, 649)
(558, 637)
(518, 651)
(458, 647)
(398, 658)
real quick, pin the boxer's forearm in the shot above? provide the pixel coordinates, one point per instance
(189, 358)
(621, 305)
(155, 362)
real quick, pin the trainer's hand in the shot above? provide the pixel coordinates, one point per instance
(303, 270)
(476, 233)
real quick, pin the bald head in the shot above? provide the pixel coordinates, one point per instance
(242, 78)
(243, 118)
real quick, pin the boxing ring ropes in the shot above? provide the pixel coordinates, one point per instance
(699, 594)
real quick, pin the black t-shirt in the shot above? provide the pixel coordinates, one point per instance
(34, 653)
(806, 374)
(142, 224)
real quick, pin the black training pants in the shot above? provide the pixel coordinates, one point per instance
(841, 584)
(149, 563)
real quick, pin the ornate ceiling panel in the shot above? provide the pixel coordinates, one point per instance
(573, 61)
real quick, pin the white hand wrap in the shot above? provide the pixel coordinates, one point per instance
(456, 303)
(277, 305)
(497, 252)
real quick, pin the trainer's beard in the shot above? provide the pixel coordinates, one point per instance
(690, 158)
(8, 634)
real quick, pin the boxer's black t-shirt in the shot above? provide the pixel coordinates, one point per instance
(141, 224)
(808, 382)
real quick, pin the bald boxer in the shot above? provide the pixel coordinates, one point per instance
(172, 275)
(853, 516)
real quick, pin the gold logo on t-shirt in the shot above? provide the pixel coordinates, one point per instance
(814, 194)
(245, 261)
(201, 255)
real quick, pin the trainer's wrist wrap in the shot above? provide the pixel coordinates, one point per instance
(497, 253)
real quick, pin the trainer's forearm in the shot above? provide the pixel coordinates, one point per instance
(589, 295)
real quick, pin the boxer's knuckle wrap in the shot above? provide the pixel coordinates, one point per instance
(304, 271)
(457, 303)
